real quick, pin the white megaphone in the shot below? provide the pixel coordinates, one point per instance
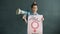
(19, 11)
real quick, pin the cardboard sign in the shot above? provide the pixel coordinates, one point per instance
(35, 25)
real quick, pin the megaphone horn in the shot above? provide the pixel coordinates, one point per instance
(19, 11)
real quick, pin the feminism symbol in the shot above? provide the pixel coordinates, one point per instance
(34, 25)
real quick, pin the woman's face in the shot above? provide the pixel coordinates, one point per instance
(34, 8)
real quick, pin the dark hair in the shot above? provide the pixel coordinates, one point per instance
(34, 4)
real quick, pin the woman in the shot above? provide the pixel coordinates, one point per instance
(34, 9)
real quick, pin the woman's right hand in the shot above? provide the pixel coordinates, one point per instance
(24, 17)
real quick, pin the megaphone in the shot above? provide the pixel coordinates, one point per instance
(19, 11)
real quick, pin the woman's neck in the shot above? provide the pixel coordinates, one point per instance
(34, 12)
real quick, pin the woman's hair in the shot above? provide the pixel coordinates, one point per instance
(34, 4)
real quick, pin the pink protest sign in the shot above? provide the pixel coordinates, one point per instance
(35, 24)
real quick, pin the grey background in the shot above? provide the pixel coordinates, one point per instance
(10, 23)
